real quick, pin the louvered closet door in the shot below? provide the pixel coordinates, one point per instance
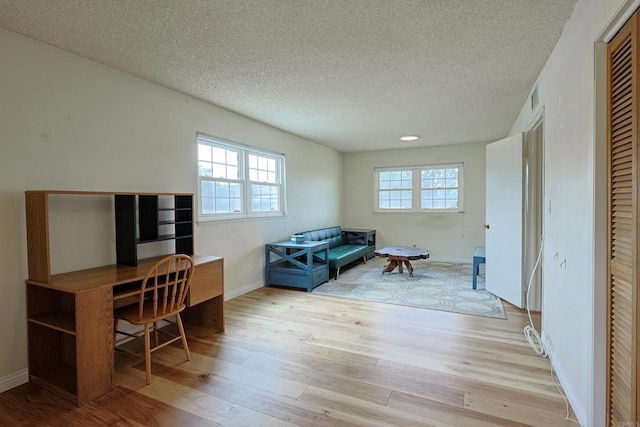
(623, 364)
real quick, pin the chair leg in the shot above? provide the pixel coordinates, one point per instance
(337, 273)
(155, 334)
(147, 352)
(183, 336)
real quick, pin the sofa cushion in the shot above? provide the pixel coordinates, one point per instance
(332, 235)
(340, 254)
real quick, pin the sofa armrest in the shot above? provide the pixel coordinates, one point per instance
(355, 237)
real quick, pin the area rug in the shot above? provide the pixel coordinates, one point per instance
(434, 286)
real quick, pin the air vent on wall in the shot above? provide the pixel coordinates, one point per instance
(534, 98)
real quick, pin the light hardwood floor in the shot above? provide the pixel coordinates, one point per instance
(289, 358)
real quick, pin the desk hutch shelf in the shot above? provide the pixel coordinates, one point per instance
(70, 315)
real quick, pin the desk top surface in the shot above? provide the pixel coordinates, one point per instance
(108, 275)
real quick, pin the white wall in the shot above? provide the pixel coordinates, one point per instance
(449, 236)
(572, 297)
(69, 123)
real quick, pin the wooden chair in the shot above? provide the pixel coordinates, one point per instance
(162, 296)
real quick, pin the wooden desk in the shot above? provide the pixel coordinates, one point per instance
(399, 254)
(70, 322)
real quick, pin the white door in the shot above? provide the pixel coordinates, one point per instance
(504, 209)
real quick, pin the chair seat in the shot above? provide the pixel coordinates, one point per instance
(130, 314)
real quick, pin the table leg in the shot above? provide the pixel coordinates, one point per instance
(409, 268)
(399, 266)
(389, 267)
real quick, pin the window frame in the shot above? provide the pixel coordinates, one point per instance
(246, 184)
(416, 188)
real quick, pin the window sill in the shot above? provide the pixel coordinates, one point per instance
(401, 212)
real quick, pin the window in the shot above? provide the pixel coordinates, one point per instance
(433, 188)
(238, 181)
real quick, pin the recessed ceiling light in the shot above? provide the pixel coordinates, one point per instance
(409, 138)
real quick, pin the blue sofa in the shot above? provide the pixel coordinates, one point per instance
(341, 252)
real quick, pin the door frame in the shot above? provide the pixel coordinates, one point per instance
(532, 244)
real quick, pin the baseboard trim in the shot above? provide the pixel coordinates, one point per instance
(452, 260)
(14, 380)
(243, 290)
(573, 401)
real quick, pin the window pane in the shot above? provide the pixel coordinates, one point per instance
(232, 172)
(452, 194)
(222, 189)
(219, 171)
(262, 163)
(253, 175)
(438, 204)
(235, 205)
(207, 188)
(438, 183)
(219, 155)
(222, 205)
(204, 152)
(205, 169)
(271, 177)
(427, 173)
(385, 176)
(234, 190)
(208, 205)
(384, 195)
(253, 161)
(271, 165)
(232, 158)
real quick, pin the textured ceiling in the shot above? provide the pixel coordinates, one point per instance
(350, 74)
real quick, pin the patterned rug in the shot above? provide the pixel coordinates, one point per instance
(434, 285)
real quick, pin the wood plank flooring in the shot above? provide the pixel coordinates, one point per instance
(289, 358)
